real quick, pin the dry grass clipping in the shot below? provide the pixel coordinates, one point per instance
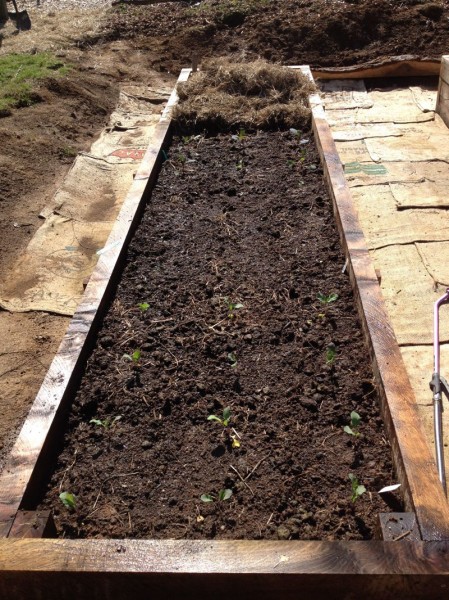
(252, 95)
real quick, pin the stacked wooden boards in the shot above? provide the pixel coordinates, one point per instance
(35, 568)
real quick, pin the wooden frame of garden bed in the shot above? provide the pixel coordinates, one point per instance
(119, 569)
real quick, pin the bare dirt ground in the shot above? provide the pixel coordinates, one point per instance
(107, 46)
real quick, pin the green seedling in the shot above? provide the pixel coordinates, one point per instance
(107, 423)
(354, 424)
(241, 135)
(291, 164)
(134, 357)
(327, 299)
(232, 357)
(222, 496)
(357, 489)
(69, 500)
(235, 441)
(302, 155)
(232, 306)
(186, 139)
(239, 165)
(226, 417)
(143, 307)
(330, 354)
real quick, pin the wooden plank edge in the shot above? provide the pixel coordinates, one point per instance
(398, 66)
(415, 465)
(442, 106)
(189, 569)
(54, 392)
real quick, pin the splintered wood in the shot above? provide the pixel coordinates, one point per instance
(395, 151)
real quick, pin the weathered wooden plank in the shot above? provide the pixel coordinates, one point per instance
(33, 524)
(398, 526)
(442, 107)
(414, 462)
(63, 372)
(399, 66)
(188, 569)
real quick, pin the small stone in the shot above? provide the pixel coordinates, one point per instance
(283, 532)
(146, 444)
(266, 390)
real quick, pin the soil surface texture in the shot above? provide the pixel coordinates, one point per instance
(218, 308)
(320, 33)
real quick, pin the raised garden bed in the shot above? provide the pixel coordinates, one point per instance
(232, 296)
(268, 568)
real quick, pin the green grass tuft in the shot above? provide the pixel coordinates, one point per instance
(18, 73)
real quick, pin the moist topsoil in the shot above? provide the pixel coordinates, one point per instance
(236, 245)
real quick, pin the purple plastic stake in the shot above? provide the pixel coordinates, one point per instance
(436, 384)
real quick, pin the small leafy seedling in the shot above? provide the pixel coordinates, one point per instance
(232, 357)
(232, 306)
(222, 496)
(143, 307)
(330, 354)
(226, 417)
(134, 357)
(107, 423)
(357, 489)
(327, 299)
(69, 500)
(235, 441)
(241, 135)
(239, 165)
(354, 424)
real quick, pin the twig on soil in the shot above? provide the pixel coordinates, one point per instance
(242, 479)
(67, 470)
(328, 437)
(257, 466)
(269, 519)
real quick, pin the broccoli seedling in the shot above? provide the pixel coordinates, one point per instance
(357, 489)
(226, 417)
(69, 500)
(354, 424)
(222, 496)
(143, 307)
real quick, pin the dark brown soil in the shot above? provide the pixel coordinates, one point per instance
(231, 221)
(315, 32)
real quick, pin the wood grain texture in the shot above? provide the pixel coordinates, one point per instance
(415, 465)
(400, 66)
(124, 569)
(442, 107)
(33, 524)
(64, 370)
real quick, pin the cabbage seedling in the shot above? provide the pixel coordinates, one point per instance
(357, 489)
(107, 423)
(232, 357)
(232, 306)
(330, 354)
(69, 500)
(226, 417)
(135, 356)
(222, 496)
(327, 299)
(354, 424)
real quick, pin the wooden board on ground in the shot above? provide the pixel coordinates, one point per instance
(371, 173)
(189, 569)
